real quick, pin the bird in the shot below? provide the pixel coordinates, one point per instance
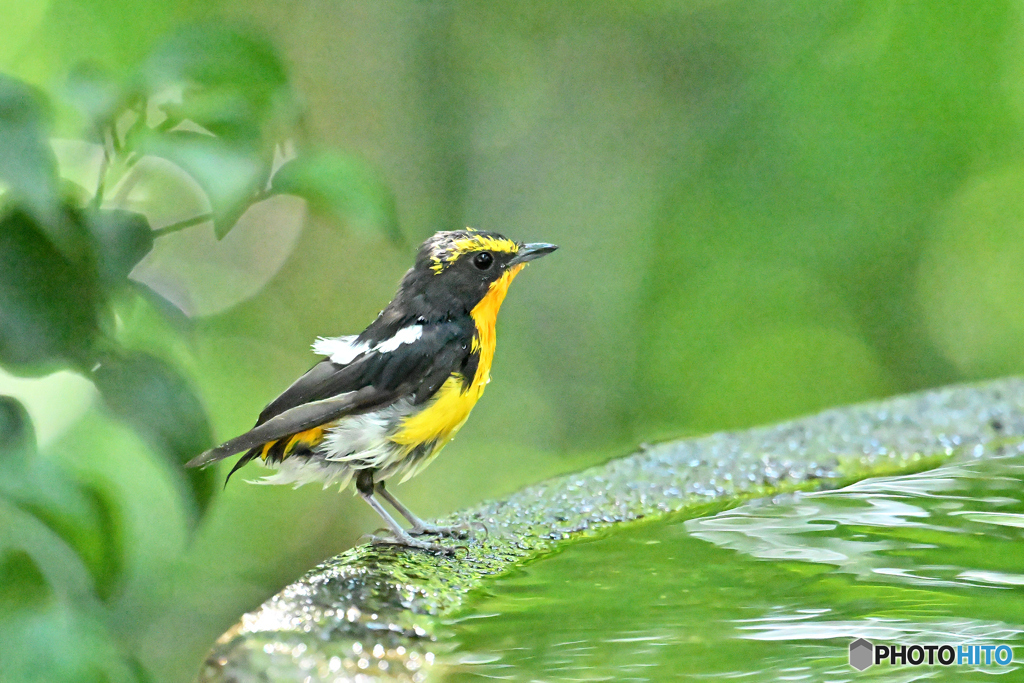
(383, 403)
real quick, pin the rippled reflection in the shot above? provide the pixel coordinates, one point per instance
(876, 527)
(771, 590)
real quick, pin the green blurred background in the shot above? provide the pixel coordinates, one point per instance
(764, 209)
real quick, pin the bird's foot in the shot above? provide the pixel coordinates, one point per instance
(460, 531)
(463, 530)
(404, 540)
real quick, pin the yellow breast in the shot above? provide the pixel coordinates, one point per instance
(449, 409)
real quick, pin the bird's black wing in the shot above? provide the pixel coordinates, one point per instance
(372, 380)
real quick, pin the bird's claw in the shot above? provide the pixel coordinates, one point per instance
(410, 542)
(458, 531)
(463, 530)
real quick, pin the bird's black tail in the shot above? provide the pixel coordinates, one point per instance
(249, 456)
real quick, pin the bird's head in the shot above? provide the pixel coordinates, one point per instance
(455, 270)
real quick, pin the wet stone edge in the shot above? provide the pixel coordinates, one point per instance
(373, 612)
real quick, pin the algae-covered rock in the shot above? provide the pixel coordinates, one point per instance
(374, 612)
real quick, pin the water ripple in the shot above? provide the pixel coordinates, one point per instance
(775, 589)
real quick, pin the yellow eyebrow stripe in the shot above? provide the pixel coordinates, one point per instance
(452, 252)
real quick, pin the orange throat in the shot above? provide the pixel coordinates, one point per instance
(485, 315)
(453, 402)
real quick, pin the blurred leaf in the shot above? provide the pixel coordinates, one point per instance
(234, 86)
(24, 586)
(234, 82)
(17, 438)
(58, 562)
(146, 321)
(122, 238)
(229, 174)
(80, 515)
(96, 95)
(106, 561)
(27, 164)
(159, 404)
(342, 187)
(48, 307)
(73, 193)
(62, 643)
(177, 319)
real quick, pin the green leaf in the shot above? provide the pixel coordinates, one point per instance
(74, 194)
(122, 239)
(105, 556)
(63, 643)
(27, 164)
(24, 586)
(146, 321)
(53, 558)
(229, 174)
(235, 84)
(48, 306)
(178, 322)
(342, 187)
(97, 96)
(17, 438)
(160, 405)
(80, 515)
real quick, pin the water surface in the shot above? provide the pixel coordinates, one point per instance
(772, 590)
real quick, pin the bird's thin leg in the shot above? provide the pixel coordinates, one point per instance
(418, 525)
(401, 536)
(365, 486)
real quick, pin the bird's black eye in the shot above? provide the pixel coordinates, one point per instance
(483, 260)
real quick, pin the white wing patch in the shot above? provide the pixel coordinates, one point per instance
(344, 350)
(406, 335)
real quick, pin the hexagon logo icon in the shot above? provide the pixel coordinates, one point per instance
(861, 654)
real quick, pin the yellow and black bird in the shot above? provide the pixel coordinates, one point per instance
(385, 402)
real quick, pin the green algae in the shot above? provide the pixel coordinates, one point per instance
(375, 612)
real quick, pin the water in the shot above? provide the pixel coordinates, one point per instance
(771, 590)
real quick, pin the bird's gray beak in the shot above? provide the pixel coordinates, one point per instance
(528, 252)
